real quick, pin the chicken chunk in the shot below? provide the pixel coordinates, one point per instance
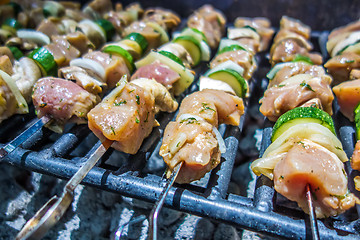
(62, 101)
(340, 66)
(294, 92)
(348, 97)
(160, 72)
(191, 138)
(127, 115)
(209, 21)
(262, 26)
(114, 66)
(309, 163)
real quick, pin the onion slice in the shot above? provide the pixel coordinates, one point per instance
(89, 64)
(34, 36)
(220, 139)
(22, 104)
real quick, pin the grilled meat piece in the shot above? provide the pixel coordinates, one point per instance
(287, 49)
(165, 18)
(160, 72)
(209, 21)
(294, 92)
(262, 26)
(127, 114)
(191, 137)
(348, 97)
(296, 26)
(309, 163)
(62, 101)
(62, 51)
(340, 66)
(294, 69)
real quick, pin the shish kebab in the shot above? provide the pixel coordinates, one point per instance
(192, 145)
(135, 102)
(93, 70)
(45, 60)
(344, 64)
(305, 157)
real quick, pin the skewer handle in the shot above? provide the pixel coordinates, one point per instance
(158, 205)
(11, 146)
(313, 221)
(55, 208)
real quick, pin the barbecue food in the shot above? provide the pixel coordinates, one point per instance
(348, 97)
(262, 27)
(291, 40)
(95, 72)
(192, 138)
(295, 79)
(62, 100)
(210, 22)
(127, 115)
(343, 47)
(305, 150)
(293, 86)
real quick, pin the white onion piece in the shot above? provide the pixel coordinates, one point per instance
(225, 42)
(205, 51)
(351, 39)
(226, 65)
(220, 139)
(69, 25)
(177, 143)
(93, 26)
(314, 132)
(34, 36)
(209, 83)
(22, 104)
(89, 64)
(266, 165)
(164, 37)
(234, 33)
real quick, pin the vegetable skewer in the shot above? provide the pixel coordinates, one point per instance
(184, 154)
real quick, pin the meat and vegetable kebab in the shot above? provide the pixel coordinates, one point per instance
(193, 138)
(343, 47)
(305, 151)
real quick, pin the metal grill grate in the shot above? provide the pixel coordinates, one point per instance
(139, 176)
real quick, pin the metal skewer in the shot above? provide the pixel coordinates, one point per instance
(312, 214)
(11, 146)
(55, 208)
(120, 229)
(159, 203)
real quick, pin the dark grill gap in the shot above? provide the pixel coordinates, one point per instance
(266, 212)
